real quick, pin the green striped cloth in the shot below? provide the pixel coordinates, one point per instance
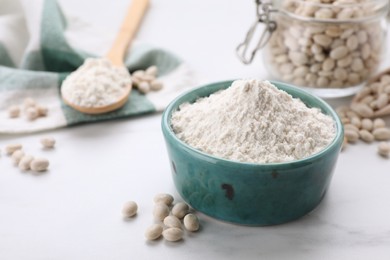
(39, 46)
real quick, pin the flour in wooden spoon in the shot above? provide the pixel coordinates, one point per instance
(96, 83)
(253, 121)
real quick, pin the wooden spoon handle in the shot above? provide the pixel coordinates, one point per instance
(127, 31)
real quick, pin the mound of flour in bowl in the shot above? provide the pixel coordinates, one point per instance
(253, 121)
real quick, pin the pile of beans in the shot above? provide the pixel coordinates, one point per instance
(170, 218)
(31, 109)
(145, 80)
(362, 119)
(333, 54)
(27, 162)
(374, 99)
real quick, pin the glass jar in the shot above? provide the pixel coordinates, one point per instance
(329, 47)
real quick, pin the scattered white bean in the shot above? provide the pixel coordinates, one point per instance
(48, 142)
(146, 80)
(381, 134)
(13, 111)
(160, 211)
(366, 136)
(173, 234)
(17, 156)
(351, 127)
(138, 74)
(29, 102)
(191, 222)
(352, 136)
(156, 85)
(152, 71)
(42, 110)
(165, 198)
(379, 123)
(39, 164)
(129, 209)
(384, 149)
(144, 87)
(32, 113)
(362, 109)
(11, 148)
(153, 232)
(172, 221)
(180, 209)
(367, 124)
(356, 122)
(24, 163)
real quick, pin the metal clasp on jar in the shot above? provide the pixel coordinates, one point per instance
(264, 10)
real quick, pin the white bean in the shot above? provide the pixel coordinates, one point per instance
(339, 52)
(357, 65)
(148, 78)
(139, 74)
(13, 111)
(32, 113)
(323, 13)
(172, 221)
(152, 71)
(29, 102)
(129, 209)
(328, 64)
(351, 127)
(352, 42)
(153, 232)
(173, 234)
(165, 198)
(191, 222)
(356, 122)
(48, 142)
(381, 134)
(156, 85)
(144, 87)
(160, 211)
(11, 148)
(180, 210)
(379, 123)
(24, 163)
(42, 110)
(17, 156)
(382, 100)
(362, 36)
(362, 109)
(366, 136)
(384, 149)
(322, 40)
(352, 136)
(367, 124)
(39, 164)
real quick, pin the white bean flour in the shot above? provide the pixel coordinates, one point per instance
(96, 83)
(253, 121)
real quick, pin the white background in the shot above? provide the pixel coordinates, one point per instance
(73, 211)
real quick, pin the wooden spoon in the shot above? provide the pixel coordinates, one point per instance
(117, 53)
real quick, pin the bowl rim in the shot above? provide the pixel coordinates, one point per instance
(337, 140)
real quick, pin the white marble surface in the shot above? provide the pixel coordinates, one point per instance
(73, 211)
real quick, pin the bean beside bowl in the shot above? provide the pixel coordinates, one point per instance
(249, 193)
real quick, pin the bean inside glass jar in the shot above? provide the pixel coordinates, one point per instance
(330, 47)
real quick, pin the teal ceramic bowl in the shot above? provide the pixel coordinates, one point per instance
(249, 193)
